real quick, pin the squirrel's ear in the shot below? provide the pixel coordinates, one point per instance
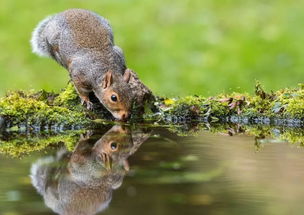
(127, 75)
(107, 80)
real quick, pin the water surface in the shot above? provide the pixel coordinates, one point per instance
(135, 170)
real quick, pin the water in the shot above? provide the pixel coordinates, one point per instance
(123, 170)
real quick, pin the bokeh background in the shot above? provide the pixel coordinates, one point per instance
(178, 47)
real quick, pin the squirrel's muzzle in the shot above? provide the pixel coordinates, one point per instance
(125, 117)
(122, 115)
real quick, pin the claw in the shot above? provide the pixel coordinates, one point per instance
(87, 102)
(89, 133)
(89, 105)
(82, 137)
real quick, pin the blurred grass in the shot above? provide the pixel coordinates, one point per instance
(177, 47)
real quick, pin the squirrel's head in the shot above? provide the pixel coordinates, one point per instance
(116, 95)
(116, 144)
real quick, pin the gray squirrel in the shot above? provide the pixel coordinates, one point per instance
(82, 181)
(82, 42)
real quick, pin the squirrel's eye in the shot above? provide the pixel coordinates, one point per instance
(113, 146)
(114, 98)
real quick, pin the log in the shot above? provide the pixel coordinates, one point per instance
(50, 111)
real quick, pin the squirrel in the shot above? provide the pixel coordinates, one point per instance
(82, 42)
(82, 181)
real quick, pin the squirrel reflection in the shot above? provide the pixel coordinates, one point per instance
(81, 182)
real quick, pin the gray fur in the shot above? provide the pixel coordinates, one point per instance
(57, 32)
(83, 43)
(78, 182)
(38, 42)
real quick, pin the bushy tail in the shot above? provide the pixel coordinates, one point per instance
(38, 41)
(40, 173)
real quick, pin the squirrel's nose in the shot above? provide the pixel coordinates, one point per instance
(125, 116)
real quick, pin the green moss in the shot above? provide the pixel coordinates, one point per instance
(193, 107)
(293, 136)
(19, 145)
(292, 102)
(286, 103)
(68, 97)
(20, 108)
(43, 109)
(262, 133)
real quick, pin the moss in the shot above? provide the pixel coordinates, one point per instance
(262, 133)
(68, 98)
(44, 109)
(19, 145)
(291, 102)
(293, 136)
(192, 108)
(283, 104)
(24, 108)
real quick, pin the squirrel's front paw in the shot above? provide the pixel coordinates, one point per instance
(87, 135)
(88, 103)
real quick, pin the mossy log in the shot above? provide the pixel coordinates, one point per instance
(16, 144)
(283, 107)
(50, 111)
(24, 115)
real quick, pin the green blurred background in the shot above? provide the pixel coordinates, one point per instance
(177, 47)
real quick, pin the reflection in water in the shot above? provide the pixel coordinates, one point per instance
(82, 181)
(217, 172)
